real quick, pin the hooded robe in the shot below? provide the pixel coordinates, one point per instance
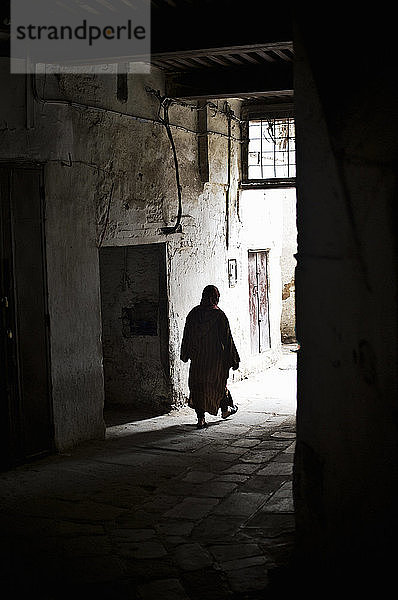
(207, 341)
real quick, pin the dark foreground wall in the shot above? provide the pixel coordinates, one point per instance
(347, 149)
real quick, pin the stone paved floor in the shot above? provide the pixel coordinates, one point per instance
(160, 510)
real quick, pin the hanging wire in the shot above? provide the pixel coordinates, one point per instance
(164, 104)
(82, 106)
(229, 113)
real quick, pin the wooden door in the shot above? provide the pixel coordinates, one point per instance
(25, 405)
(260, 339)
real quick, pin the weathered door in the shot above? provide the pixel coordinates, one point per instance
(26, 416)
(258, 301)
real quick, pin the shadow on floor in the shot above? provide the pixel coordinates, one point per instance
(157, 510)
(119, 415)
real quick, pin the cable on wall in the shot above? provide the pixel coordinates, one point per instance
(80, 105)
(164, 105)
(229, 114)
(177, 227)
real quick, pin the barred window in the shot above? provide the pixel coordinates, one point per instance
(271, 149)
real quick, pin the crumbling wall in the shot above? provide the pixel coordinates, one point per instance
(110, 181)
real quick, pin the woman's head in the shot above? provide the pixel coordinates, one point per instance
(210, 296)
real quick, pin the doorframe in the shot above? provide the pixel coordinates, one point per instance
(16, 453)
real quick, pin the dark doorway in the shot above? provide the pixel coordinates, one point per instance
(258, 301)
(26, 415)
(134, 327)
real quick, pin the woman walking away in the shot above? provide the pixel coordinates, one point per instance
(207, 341)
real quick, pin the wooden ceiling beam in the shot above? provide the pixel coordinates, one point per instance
(281, 54)
(225, 50)
(218, 60)
(246, 56)
(265, 55)
(198, 61)
(232, 58)
(231, 82)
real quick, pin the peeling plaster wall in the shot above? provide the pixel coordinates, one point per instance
(200, 256)
(109, 182)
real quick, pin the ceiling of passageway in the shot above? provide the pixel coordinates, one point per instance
(221, 48)
(215, 48)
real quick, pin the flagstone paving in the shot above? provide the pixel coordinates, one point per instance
(160, 509)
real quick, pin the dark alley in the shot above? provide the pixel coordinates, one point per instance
(177, 208)
(160, 509)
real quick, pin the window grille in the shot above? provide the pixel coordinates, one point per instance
(272, 149)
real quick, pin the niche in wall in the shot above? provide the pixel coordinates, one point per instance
(134, 326)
